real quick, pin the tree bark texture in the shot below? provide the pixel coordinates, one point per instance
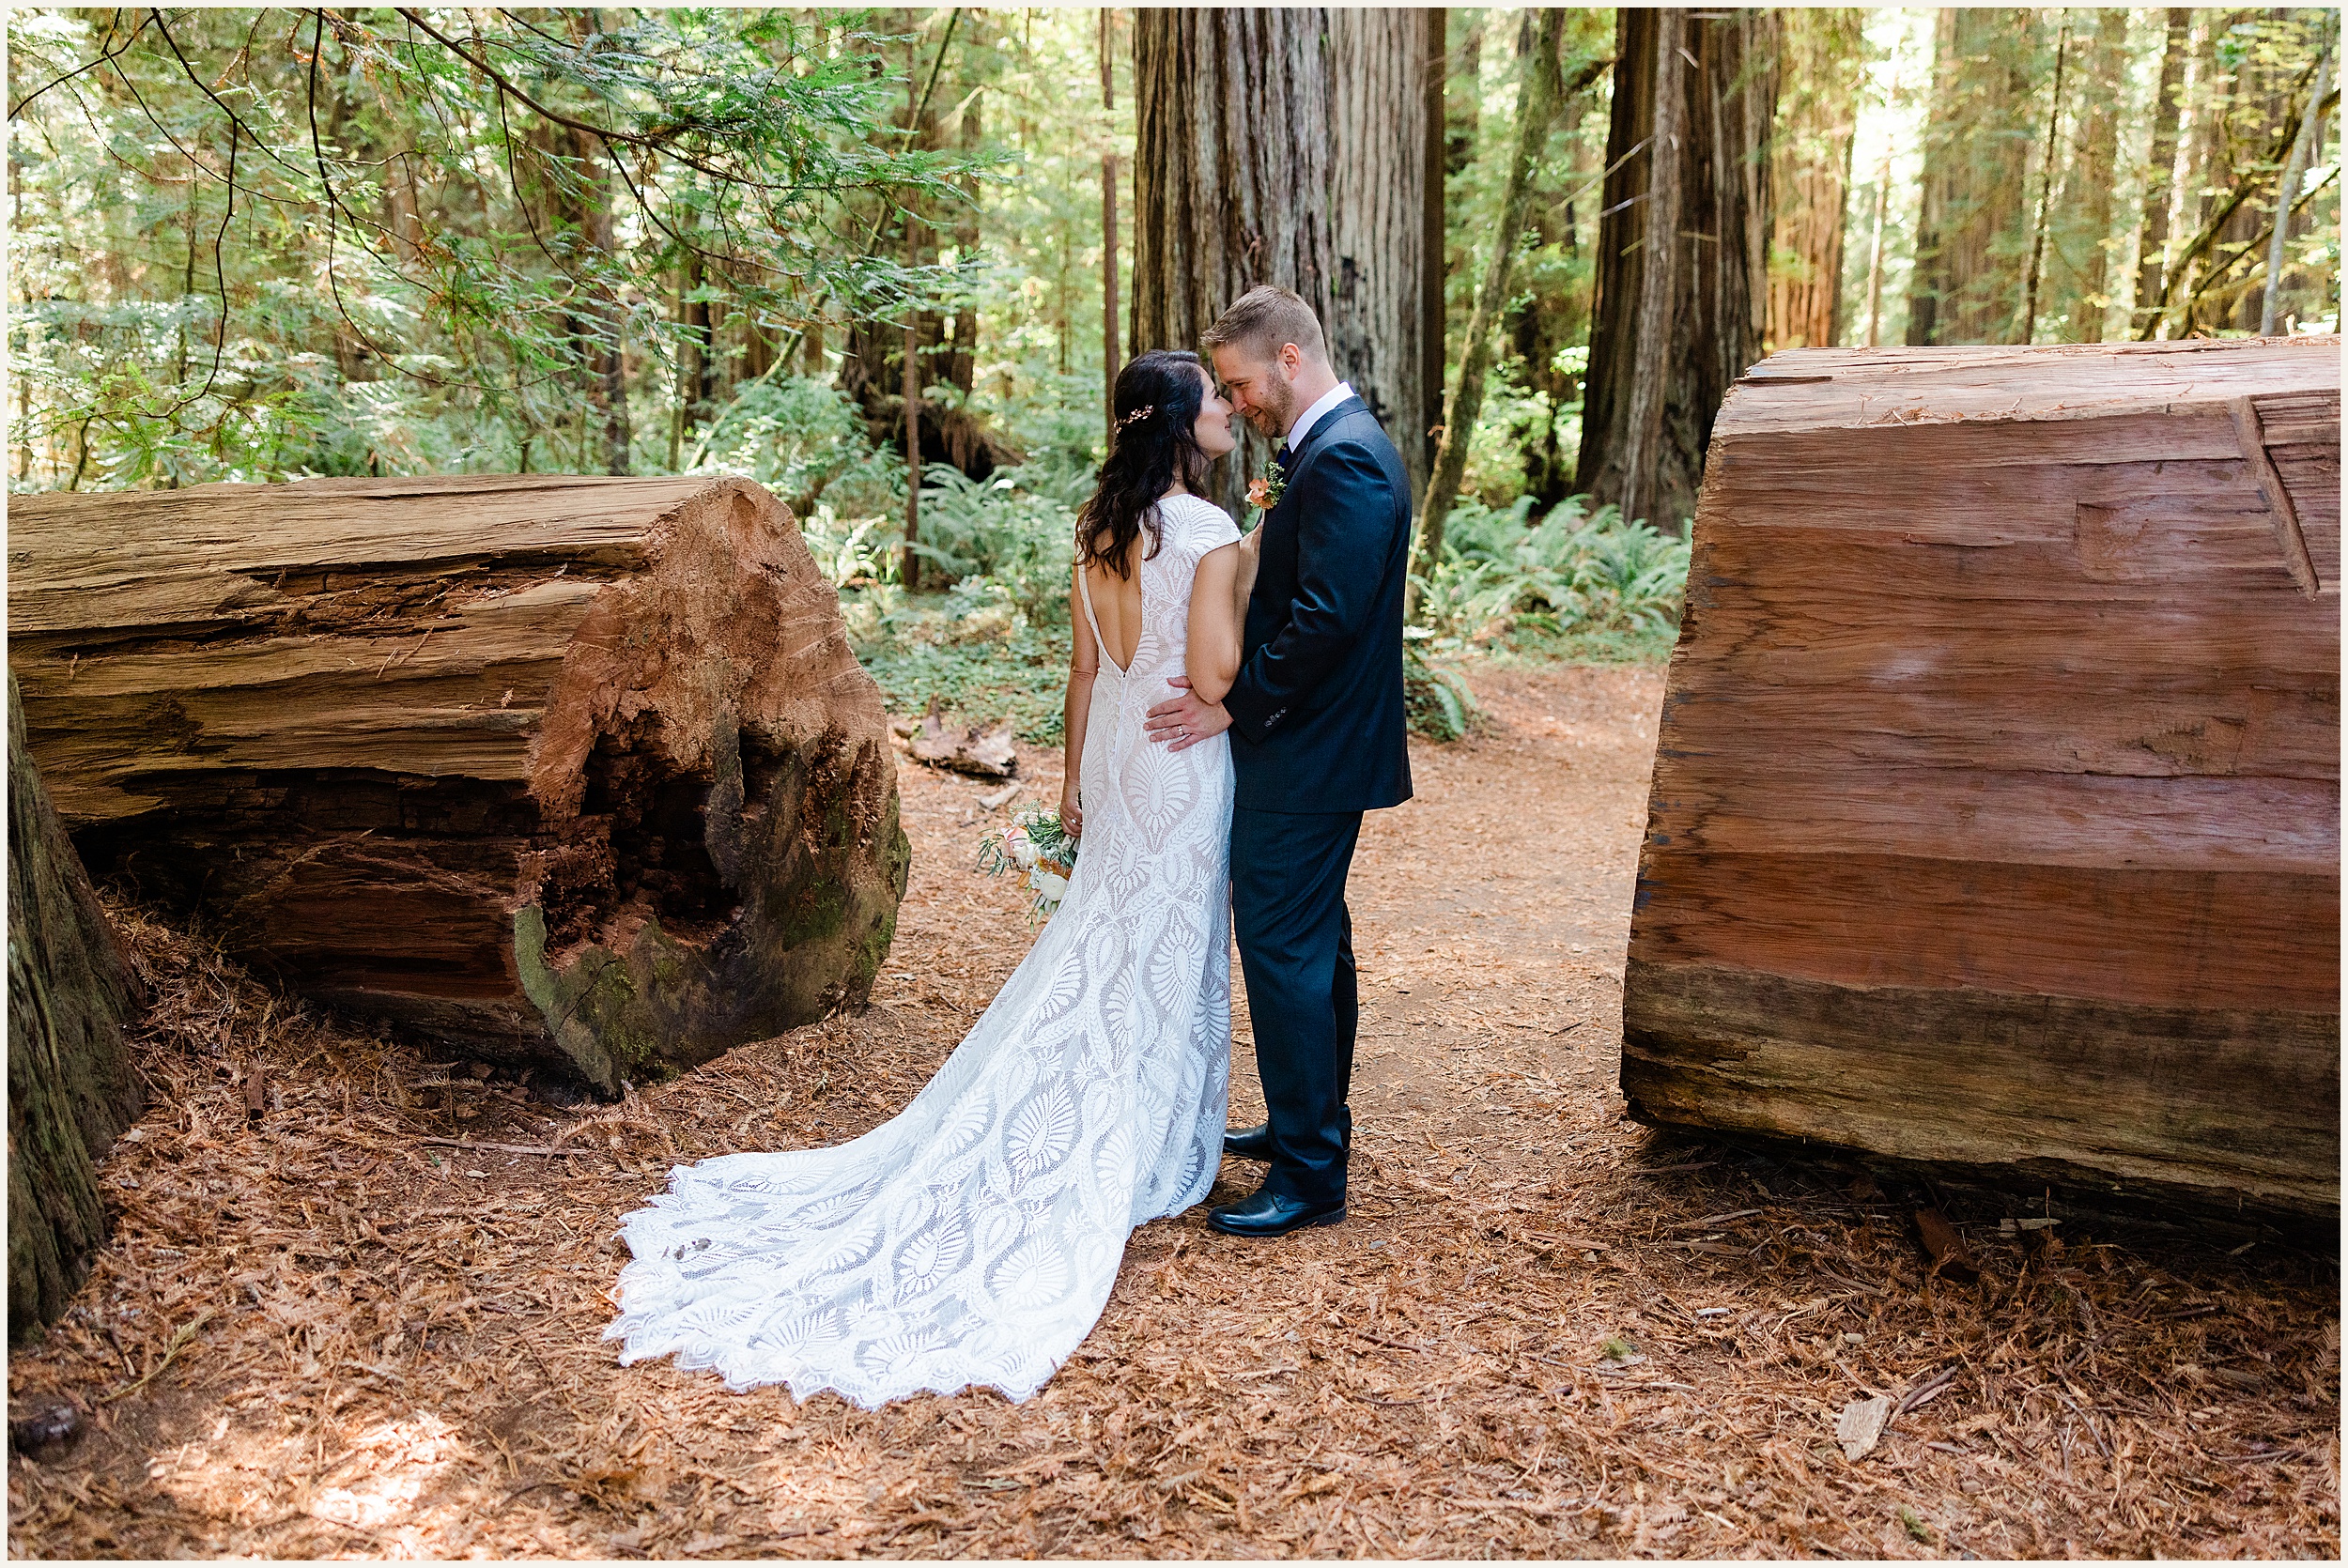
(71, 1086)
(1111, 360)
(1973, 226)
(2302, 148)
(1817, 121)
(2093, 174)
(1538, 94)
(576, 773)
(1436, 64)
(1230, 179)
(873, 360)
(1683, 251)
(1996, 812)
(1378, 178)
(2160, 171)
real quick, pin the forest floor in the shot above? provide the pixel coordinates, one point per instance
(1543, 1331)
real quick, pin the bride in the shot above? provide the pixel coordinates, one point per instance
(973, 1239)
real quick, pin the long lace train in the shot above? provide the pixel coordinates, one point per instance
(973, 1239)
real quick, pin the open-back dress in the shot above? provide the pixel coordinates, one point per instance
(973, 1239)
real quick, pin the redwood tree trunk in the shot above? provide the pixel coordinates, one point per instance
(2160, 172)
(1230, 179)
(1810, 168)
(1683, 251)
(1435, 62)
(1376, 217)
(2095, 171)
(576, 773)
(71, 1087)
(1972, 231)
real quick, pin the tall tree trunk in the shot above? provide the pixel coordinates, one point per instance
(1818, 120)
(2160, 168)
(71, 1087)
(1548, 312)
(1539, 95)
(583, 202)
(1111, 361)
(959, 348)
(871, 362)
(909, 367)
(1972, 231)
(1683, 251)
(1435, 64)
(1378, 177)
(693, 359)
(2043, 210)
(2209, 92)
(2302, 148)
(2094, 173)
(1230, 179)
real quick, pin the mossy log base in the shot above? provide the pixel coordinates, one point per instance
(71, 1087)
(1995, 813)
(564, 772)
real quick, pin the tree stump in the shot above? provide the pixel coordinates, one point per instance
(1995, 813)
(567, 772)
(71, 1087)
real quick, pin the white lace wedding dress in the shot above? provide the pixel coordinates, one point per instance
(973, 1239)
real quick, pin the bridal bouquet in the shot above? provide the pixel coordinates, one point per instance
(1036, 844)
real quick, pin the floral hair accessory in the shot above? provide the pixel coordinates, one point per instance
(1137, 415)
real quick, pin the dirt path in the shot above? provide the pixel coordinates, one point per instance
(1544, 1332)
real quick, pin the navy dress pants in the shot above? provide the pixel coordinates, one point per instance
(1297, 950)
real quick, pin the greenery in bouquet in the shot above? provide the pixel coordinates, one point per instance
(1037, 847)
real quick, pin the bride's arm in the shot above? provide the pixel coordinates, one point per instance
(1084, 662)
(1211, 650)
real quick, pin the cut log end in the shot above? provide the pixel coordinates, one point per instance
(1995, 822)
(579, 773)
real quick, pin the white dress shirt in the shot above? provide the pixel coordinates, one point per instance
(1312, 416)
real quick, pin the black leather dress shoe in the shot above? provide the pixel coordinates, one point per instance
(1250, 1143)
(1269, 1214)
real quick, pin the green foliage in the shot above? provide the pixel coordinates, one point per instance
(996, 641)
(803, 439)
(1569, 575)
(1001, 529)
(1436, 701)
(968, 649)
(258, 244)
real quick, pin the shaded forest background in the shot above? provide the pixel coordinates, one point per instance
(264, 244)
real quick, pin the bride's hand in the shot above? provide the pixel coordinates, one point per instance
(1071, 815)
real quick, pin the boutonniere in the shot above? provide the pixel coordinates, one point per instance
(1263, 493)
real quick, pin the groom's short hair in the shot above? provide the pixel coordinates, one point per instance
(1263, 318)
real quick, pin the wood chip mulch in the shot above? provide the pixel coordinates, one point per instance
(1544, 1332)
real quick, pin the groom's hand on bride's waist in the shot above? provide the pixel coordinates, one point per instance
(1183, 721)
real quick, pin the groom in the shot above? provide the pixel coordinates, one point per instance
(1317, 739)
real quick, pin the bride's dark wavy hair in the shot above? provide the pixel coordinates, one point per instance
(1157, 401)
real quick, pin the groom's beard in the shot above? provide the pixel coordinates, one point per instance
(1276, 410)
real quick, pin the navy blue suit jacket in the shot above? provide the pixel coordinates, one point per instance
(1317, 719)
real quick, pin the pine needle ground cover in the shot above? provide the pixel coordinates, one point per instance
(324, 1330)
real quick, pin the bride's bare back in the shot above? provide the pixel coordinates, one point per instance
(1116, 603)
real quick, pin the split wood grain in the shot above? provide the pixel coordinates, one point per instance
(572, 772)
(1995, 820)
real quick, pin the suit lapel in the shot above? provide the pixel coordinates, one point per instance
(1320, 432)
(1313, 437)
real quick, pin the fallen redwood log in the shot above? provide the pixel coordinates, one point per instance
(73, 1088)
(1995, 810)
(570, 772)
